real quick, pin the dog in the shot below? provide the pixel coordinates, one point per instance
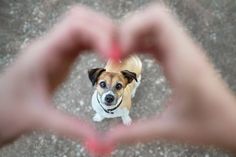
(116, 85)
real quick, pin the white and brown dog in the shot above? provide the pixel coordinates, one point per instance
(116, 85)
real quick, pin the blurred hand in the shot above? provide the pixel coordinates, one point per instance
(201, 109)
(27, 87)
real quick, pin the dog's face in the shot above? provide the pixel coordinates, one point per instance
(110, 86)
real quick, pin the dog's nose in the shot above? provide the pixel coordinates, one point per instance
(109, 98)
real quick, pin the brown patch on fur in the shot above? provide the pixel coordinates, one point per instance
(111, 80)
(118, 78)
(113, 75)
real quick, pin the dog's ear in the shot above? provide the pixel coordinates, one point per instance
(130, 76)
(93, 74)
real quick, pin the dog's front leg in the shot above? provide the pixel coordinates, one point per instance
(126, 118)
(98, 118)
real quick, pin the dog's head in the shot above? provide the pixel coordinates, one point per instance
(110, 86)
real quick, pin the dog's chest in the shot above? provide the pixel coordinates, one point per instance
(119, 112)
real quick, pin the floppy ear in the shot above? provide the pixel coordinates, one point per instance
(93, 74)
(130, 76)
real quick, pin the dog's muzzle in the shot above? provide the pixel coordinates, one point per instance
(109, 98)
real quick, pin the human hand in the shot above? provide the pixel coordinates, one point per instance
(46, 63)
(27, 86)
(201, 109)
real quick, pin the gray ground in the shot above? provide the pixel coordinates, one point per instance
(212, 23)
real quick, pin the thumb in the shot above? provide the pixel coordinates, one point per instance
(156, 128)
(64, 124)
(140, 131)
(99, 146)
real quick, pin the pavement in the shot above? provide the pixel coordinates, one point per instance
(211, 22)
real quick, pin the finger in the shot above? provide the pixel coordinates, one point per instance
(155, 128)
(99, 147)
(170, 44)
(138, 31)
(141, 131)
(93, 17)
(103, 31)
(53, 55)
(65, 125)
(69, 126)
(84, 28)
(174, 124)
(130, 33)
(164, 125)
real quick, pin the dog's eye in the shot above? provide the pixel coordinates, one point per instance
(118, 86)
(102, 84)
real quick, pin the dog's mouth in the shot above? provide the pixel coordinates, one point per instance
(109, 99)
(108, 104)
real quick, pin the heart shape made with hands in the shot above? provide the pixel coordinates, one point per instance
(50, 63)
(101, 145)
(96, 145)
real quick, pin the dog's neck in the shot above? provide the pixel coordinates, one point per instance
(108, 109)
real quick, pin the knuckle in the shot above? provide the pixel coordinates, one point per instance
(78, 10)
(160, 10)
(73, 11)
(112, 28)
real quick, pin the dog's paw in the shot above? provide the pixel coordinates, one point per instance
(127, 120)
(97, 118)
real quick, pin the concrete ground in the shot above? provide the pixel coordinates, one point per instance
(212, 23)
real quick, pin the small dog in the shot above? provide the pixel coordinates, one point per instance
(116, 85)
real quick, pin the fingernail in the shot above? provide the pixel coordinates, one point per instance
(115, 52)
(95, 147)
